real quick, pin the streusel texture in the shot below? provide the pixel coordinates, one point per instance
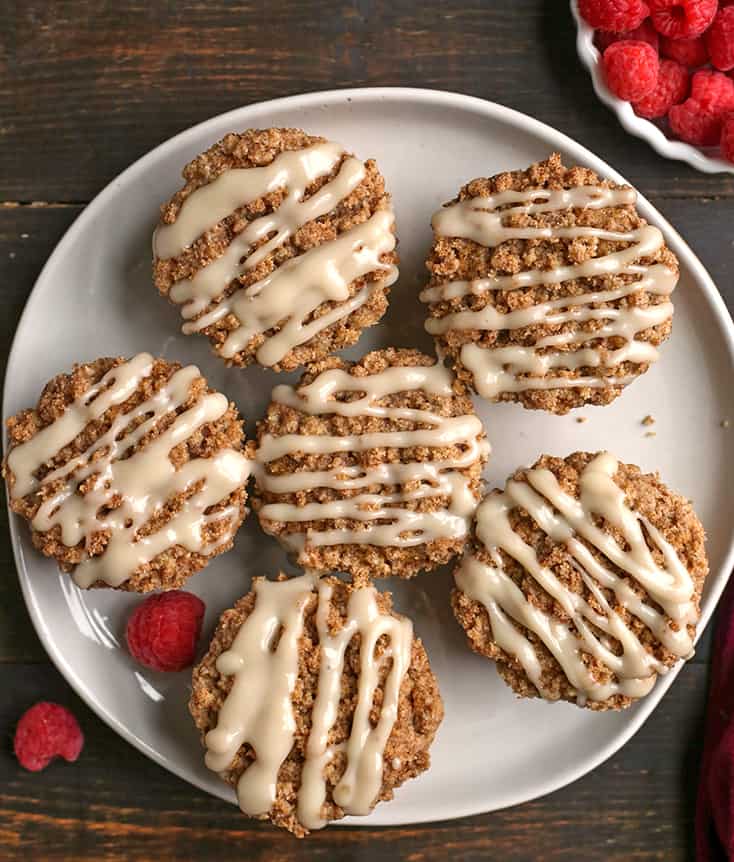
(573, 602)
(419, 707)
(371, 468)
(547, 287)
(279, 247)
(105, 495)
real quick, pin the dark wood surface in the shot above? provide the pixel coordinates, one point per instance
(86, 88)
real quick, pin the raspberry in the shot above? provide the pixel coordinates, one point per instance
(163, 630)
(631, 69)
(682, 19)
(713, 90)
(644, 33)
(615, 15)
(45, 731)
(727, 138)
(690, 52)
(698, 120)
(720, 39)
(671, 88)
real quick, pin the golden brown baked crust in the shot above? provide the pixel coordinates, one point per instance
(363, 561)
(670, 513)
(174, 566)
(406, 755)
(257, 148)
(456, 259)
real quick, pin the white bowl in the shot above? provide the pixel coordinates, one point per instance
(95, 298)
(637, 126)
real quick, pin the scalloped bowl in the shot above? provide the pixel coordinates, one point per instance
(635, 125)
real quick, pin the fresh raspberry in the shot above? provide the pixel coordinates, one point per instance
(644, 33)
(45, 731)
(727, 138)
(163, 630)
(713, 89)
(615, 15)
(671, 88)
(690, 52)
(698, 120)
(631, 69)
(720, 39)
(682, 19)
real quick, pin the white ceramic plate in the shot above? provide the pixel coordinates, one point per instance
(708, 162)
(94, 298)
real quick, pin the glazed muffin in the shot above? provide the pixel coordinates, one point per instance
(548, 288)
(371, 468)
(315, 700)
(130, 472)
(280, 247)
(583, 580)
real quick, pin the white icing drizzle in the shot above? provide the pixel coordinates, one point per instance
(566, 521)
(501, 369)
(291, 294)
(357, 789)
(137, 486)
(258, 709)
(412, 481)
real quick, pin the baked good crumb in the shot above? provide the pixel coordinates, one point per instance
(489, 335)
(645, 495)
(419, 706)
(173, 563)
(264, 329)
(348, 541)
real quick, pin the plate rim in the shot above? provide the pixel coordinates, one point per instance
(440, 98)
(638, 126)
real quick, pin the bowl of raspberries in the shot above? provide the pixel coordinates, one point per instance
(666, 67)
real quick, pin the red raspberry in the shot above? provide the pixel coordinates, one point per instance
(713, 89)
(644, 33)
(682, 19)
(690, 52)
(615, 15)
(727, 138)
(698, 120)
(671, 88)
(720, 39)
(163, 630)
(45, 731)
(631, 69)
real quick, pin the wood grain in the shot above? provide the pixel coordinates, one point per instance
(86, 87)
(116, 805)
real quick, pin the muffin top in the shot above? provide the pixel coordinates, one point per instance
(280, 247)
(315, 700)
(547, 287)
(130, 472)
(583, 580)
(371, 467)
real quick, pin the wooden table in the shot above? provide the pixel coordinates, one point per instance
(88, 87)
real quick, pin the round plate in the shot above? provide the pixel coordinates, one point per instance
(704, 160)
(95, 295)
